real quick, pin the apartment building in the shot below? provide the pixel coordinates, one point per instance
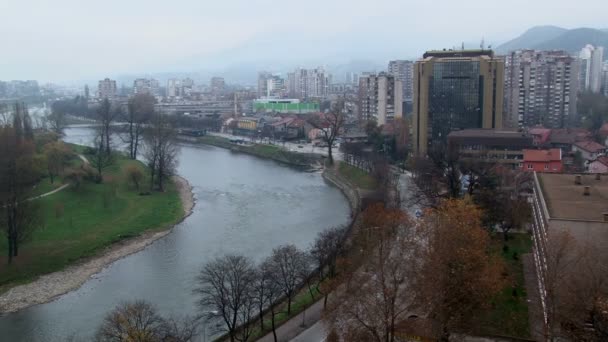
(380, 97)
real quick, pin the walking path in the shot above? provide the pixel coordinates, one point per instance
(50, 192)
(294, 327)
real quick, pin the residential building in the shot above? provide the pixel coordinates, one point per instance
(106, 89)
(605, 79)
(565, 138)
(404, 72)
(187, 87)
(217, 85)
(589, 149)
(543, 160)
(351, 78)
(455, 90)
(592, 63)
(86, 91)
(380, 98)
(570, 203)
(173, 88)
(540, 135)
(146, 86)
(270, 85)
(600, 165)
(491, 145)
(308, 83)
(540, 89)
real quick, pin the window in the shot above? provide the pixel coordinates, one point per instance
(546, 166)
(529, 166)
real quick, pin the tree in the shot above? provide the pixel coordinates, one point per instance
(56, 154)
(102, 157)
(56, 120)
(161, 150)
(139, 321)
(18, 172)
(459, 275)
(330, 125)
(105, 117)
(140, 110)
(326, 247)
(134, 175)
(288, 264)
(226, 286)
(267, 292)
(379, 294)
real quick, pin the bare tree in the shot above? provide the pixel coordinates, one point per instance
(102, 157)
(139, 321)
(140, 110)
(330, 125)
(161, 150)
(266, 293)
(105, 117)
(288, 263)
(226, 286)
(56, 154)
(379, 294)
(56, 121)
(326, 247)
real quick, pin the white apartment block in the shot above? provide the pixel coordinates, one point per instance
(308, 83)
(591, 60)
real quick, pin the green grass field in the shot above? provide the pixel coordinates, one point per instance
(357, 176)
(80, 222)
(509, 315)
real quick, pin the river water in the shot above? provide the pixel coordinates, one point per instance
(244, 205)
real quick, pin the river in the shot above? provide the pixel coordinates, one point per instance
(244, 205)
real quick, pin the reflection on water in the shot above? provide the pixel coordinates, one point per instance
(244, 205)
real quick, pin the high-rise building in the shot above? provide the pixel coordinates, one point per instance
(455, 90)
(146, 86)
(106, 89)
(404, 71)
(540, 88)
(173, 87)
(605, 79)
(217, 85)
(591, 64)
(351, 78)
(187, 86)
(86, 91)
(308, 83)
(270, 85)
(380, 97)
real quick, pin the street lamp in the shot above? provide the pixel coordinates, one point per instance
(206, 316)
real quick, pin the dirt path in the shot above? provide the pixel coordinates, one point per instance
(49, 286)
(49, 193)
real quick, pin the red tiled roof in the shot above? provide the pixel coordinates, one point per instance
(590, 146)
(539, 131)
(554, 154)
(603, 160)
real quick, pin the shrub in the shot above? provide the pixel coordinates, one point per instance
(134, 175)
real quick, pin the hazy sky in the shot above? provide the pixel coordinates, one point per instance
(76, 39)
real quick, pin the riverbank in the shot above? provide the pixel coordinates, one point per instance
(273, 152)
(52, 285)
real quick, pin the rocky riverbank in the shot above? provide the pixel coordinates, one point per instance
(50, 286)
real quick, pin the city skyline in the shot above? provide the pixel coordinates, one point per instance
(245, 34)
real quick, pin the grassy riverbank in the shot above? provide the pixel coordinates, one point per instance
(356, 176)
(79, 222)
(273, 152)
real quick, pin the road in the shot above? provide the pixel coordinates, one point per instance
(316, 333)
(293, 329)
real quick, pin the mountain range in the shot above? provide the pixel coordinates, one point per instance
(556, 38)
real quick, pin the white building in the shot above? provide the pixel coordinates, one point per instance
(146, 86)
(592, 59)
(106, 89)
(173, 87)
(308, 83)
(380, 98)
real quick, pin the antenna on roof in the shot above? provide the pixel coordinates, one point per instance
(462, 46)
(482, 43)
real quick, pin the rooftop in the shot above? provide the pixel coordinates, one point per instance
(458, 53)
(565, 200)
(543, 155)
(590, 146)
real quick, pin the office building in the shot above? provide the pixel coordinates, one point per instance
(591, 65)
(491, 146)
(455, 90)
(404, 71)
(217, 85)
(106, 89)
(540, 89)
(380, 98)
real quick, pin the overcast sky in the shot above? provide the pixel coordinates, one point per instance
(75, 39)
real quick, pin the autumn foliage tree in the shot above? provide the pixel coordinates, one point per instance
(459, 275)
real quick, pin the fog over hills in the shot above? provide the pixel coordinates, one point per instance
(556, 38)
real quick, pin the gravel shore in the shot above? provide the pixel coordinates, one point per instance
(49, 286)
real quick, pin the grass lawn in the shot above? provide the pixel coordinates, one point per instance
(509, 316)
(79, 222)
(357, 176)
